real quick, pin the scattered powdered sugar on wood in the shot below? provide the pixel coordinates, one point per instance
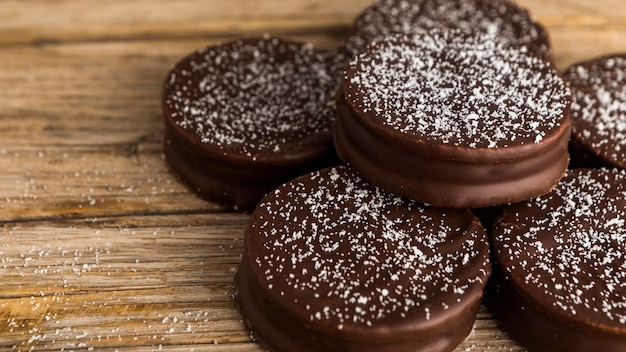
(443, 87)
(500, 18)
(252, 95)
(599, 105)
(83, 288)
(571, 245)
(355, 254)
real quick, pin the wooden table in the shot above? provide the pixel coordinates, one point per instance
(101, 247)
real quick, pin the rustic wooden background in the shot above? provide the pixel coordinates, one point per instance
(101, 247)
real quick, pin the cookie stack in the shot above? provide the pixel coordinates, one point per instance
(454, 120)
(333, 263)
(243, 117)
(435, 108)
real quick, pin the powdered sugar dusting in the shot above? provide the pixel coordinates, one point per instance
(443, 87)
(570, 245)
(354, 254)
(254, 94)
(599, 105)
(500, 18)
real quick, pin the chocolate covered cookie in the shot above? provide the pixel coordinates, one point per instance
(561, 265)
(453, 120)
(245, 116)
(599, 111)
(332, 263)
(501, 18)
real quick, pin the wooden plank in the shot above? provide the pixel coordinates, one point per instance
(109, 283)
(576, 13)
(580, 30)
(577, 44)
(101, 247)
(43, 21)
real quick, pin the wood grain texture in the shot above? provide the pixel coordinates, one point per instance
(93, 20)
(101, 246)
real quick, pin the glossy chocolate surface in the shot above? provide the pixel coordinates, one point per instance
(501, 18)
(332, 263)
(453, 121)
(245, 116)
(599, 110)
(561, 279)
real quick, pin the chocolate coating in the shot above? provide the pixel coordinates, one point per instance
(599, 111)
(332, 263)
(245, 116)
(501, 18)
(453, 121)
(560, 283)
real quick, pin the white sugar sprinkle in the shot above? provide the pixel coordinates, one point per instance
(364, 247)
(599, 105)
(254, 95)
(503, 19)
(444, 88)
(575, 244)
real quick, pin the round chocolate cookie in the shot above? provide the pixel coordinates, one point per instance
(245, 116)
(332, 263)
(501, 18)
(599, 111)
(561, 265)
(453, 120)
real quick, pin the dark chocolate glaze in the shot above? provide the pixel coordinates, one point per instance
(245, 116)
(501, 18)
(560, 282)
(414, 118)
(488, 216)
(238, 183)
(598, 111)
(332, 263)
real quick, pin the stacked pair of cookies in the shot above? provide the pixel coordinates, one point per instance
(436, 107)
(243, 117)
